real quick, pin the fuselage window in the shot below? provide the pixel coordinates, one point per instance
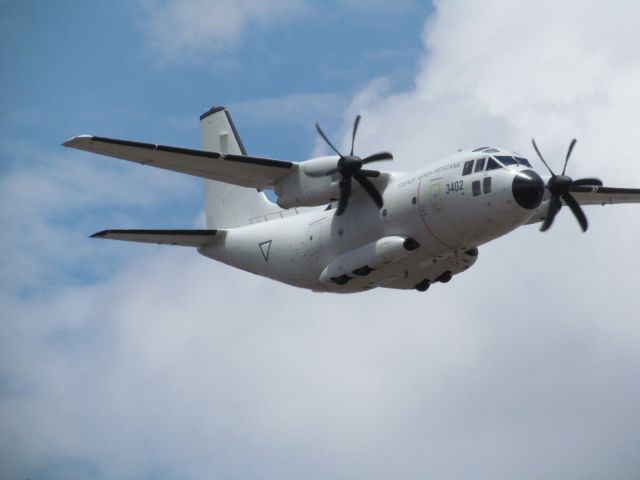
(480, 164)
(493, 165)
(486, 185)
(468, 167)
(475, 187)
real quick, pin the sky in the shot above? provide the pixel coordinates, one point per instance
(135, 361)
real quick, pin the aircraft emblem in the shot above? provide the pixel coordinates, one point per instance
(265, 247)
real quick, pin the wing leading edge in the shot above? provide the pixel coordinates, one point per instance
(242, 170)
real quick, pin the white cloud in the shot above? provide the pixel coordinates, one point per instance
(502, 73)
(524, 367)
(52, 199)
(187, 364)
(289, 109)
(184, 30)
(195, 30)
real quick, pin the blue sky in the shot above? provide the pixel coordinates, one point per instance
(93, 69)
(137, 361)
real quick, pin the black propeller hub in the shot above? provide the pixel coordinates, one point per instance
(559, 184)
(350, 167)
(528, 189)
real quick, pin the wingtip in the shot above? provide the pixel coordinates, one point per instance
(100, 234)
(73, 141)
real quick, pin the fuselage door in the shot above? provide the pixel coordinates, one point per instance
(315, 240)
(435, 195)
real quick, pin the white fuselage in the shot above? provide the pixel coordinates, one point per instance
(447, 213)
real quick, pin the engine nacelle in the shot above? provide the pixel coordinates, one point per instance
(300, 189)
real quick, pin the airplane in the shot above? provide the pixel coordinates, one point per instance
(339, 227)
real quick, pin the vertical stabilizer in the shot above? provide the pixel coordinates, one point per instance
(226, 205)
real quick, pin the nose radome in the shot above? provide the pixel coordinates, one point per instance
(528, 189)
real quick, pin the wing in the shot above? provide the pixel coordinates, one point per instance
(241, 170)
(605, 195)
(186, 238)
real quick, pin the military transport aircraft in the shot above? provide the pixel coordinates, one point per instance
(327, 233)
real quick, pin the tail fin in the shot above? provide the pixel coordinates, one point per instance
(226, 205)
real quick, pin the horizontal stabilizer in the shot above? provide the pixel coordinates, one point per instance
(187, 238)
(242, 170)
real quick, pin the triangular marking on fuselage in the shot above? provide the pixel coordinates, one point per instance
(265, 247)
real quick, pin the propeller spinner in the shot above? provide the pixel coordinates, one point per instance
(350, 167)
(559, 187)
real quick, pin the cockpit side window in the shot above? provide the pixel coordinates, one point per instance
(480, 164)
(523, 161)
(492, 164)
(468, 167)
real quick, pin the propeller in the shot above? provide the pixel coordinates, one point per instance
(560, 187)
(350, 167)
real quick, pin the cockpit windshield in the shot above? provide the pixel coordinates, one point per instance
(507, 160)
(492, 162)
(523, 161)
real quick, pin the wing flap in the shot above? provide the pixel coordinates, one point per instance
(242, 170)
(585, 195)
(186, 238)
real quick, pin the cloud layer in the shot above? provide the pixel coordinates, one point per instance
(194, 31)
(180, 30)
(524, 367)
(502, 73)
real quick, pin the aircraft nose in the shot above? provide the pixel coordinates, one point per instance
(528, 189)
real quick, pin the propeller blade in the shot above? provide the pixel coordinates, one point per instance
(561, 186)
(571, 145)
(376, 157)
(577, 210)
(535, 147)
(355, 130)
(351, 166)
(554, 207)
(587, 182)
(370, 189)
(345, 193)
(327, 140)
